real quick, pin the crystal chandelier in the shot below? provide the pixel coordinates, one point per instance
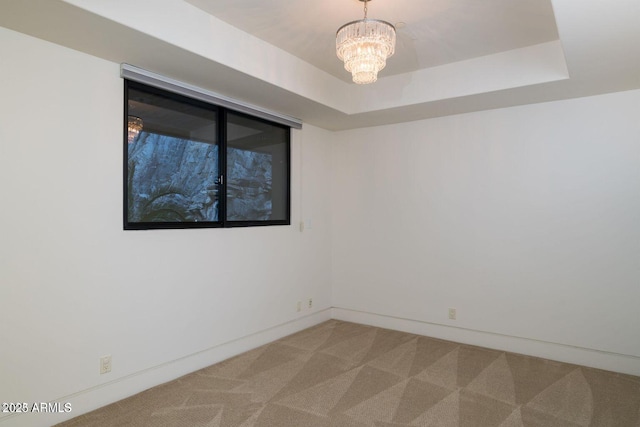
(364, 46)
(134, 127)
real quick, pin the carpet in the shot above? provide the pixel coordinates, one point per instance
(349, 375)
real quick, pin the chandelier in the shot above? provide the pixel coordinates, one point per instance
(364, 46)
(134, 127)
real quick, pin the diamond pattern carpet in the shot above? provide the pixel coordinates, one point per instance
(349, 375)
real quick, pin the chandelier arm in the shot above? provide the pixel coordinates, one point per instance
(367, 20)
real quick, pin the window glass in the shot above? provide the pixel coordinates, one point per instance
(257, 170)
(173, 166)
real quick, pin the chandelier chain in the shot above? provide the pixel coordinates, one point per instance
(365, 9)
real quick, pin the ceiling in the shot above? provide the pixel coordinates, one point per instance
(452, 57)
(430, 33)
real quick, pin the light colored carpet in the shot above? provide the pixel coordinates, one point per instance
(349, 375)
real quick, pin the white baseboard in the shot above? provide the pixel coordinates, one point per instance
(626, 364)
(104, 394)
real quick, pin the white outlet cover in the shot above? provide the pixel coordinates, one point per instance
(105, 364)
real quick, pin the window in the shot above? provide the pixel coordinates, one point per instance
(192, 164)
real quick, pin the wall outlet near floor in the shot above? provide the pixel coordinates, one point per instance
(452, 314)
(299, 306)
(105, 364)
(310, 303)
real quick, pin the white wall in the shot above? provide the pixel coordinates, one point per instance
(526, 220)
(75, 286)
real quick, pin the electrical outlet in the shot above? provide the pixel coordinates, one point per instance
(310, 303)
(452, 314)
(105, 364)
(299, 306)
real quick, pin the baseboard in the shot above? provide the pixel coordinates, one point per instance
(626, 364)
(104, 394)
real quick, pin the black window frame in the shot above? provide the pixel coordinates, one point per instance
(221, 138)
